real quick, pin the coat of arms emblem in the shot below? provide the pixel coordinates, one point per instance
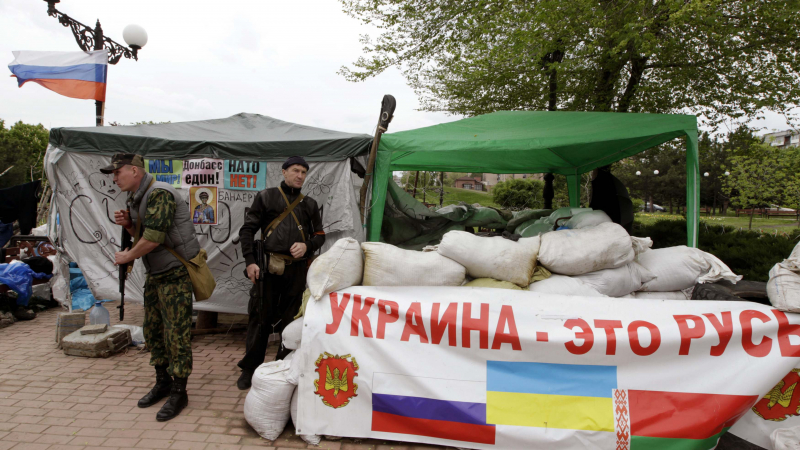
(335, 383)
(783, 401)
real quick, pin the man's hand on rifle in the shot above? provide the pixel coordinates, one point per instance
(123, 219)
(253, 272)
(298, 250)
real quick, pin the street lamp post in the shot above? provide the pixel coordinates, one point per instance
(94, 39)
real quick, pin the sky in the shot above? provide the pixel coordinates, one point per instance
(204, 61)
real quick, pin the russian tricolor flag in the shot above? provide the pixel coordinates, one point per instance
(72, 74)
(434, 407)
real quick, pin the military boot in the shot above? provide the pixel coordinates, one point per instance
(178, 399)
(160, 390)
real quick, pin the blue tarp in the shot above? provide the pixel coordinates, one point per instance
(19, 277)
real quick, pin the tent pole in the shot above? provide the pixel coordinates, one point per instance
(387, 112)
(441, 185)
(416, 179)
(573, 183)
(383, 172)
(692, 189)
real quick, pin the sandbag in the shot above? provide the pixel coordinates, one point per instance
(535, 228)
(681, 267)
(786, 438)
(617, 282)
(292, 334)
(492, 283)
(587, 219)
(576, 252)
(563, 285)
(783, 287)
(486, 217)
(266, 407)
(675, 295)
(492, 257)
(641, 245)
(566, 212)
(312, 439)
(340, 267)
(387, 265)
(526, 215)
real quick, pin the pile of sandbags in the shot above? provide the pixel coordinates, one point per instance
(492, 257)
(387, 265)
(492, 283)
(564, 285)
(340, 267)
(617, 282)
(681, 267)
(783, 287)
(587, 219)
(576, 252)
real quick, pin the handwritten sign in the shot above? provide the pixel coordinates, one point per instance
(166, 170)
(245, 175)
(203, 172)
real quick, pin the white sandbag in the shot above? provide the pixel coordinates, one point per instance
(312, 439)
(575, 252)
(292, 334)
(675, 295)
(587, 219)
(786, 438)
(563, 285)
(566, 212)
(641, 245)
(387, 265)
(783, 287)
(340, 267)
(535, 228)
(617, 282)
(492, 257)
(681, 267)
(266, 407)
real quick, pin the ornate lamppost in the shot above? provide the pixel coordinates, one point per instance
(94, 39)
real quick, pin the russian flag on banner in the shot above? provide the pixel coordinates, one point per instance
(72, 74)
(433, 407)
(586, 397)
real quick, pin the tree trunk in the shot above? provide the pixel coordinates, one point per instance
(416, 179)
(441, 186)
(752, 212)
(638, 65)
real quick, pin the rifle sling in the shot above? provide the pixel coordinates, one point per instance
(289, 210)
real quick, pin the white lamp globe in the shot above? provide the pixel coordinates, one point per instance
(706, 174)
(638, 172)
(655, 172)
(134, 36)
(727, 174)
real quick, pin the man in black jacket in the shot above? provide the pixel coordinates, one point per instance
(288, 242)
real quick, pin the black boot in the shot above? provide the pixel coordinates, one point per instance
(160, 390)
(178, 399)
(245, 379)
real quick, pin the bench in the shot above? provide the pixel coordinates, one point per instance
(705, 210)
(747, 212)
(777, 213)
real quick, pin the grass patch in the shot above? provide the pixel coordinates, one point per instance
(454, 196)
(783, 225)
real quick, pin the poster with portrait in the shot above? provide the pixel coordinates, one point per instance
(203, 205)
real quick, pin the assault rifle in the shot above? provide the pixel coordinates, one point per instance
(125, 243)
(262, 268)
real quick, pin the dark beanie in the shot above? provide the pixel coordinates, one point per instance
(295, 160)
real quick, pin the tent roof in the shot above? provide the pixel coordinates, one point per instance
(243, 136)
(563, 142)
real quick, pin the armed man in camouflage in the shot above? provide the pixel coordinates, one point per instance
(159, 219)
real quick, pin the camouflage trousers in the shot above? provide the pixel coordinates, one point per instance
(168, 320)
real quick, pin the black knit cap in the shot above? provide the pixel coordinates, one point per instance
(294, 160)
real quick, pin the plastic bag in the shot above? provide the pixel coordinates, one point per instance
(18, 276)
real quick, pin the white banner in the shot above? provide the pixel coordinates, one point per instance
(86, 199)
(491, 368)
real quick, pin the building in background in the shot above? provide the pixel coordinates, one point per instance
(783, 139)
(491, 179)
(474, 183)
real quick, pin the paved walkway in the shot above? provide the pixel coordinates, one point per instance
(49, 401)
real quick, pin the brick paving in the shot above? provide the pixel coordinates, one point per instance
(50, 401)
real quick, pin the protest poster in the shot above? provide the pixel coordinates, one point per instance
(203, 172)
(491, 368)
(166, 170)
(245, 175)
(203, 204)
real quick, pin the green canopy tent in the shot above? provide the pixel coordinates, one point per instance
(565, 142)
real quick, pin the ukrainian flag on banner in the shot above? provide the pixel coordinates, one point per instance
(528, 394)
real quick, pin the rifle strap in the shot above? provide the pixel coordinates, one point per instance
(289, 210)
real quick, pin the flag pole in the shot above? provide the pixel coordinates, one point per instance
(98, 45)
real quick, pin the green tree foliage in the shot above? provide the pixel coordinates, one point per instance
(21, 146)
(758, 178)
(519, 194)
(717, 58)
